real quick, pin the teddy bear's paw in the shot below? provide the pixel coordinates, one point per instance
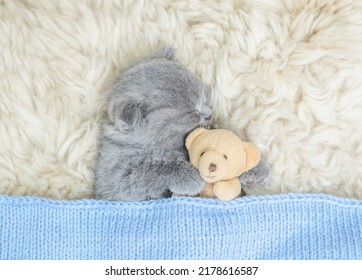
(256, 177)
(208, 191)
(225, 192)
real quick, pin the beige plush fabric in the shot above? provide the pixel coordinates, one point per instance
(285, 74)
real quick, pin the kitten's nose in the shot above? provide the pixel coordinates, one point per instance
(206, 118)
(207, 115)
(212, 167)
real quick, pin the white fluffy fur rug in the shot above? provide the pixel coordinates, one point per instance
(285, 74)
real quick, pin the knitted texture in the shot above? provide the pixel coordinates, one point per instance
(292, 226)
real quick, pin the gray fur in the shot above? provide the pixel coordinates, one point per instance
(256, 177)
(151, 107)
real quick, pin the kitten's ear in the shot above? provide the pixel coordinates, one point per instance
(133, 112)
(127, 114)
(166, 52)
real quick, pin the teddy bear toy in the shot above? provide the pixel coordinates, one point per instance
(221, 157)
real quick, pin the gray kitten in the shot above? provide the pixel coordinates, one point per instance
(152, 106)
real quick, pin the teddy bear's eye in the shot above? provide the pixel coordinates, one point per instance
(202, 154)
(225, 157)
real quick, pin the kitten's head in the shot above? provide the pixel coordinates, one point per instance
(158, 101)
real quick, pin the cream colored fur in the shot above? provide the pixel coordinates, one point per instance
(286, 75)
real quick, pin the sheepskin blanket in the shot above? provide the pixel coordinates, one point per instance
(286, 75)
(286, 226)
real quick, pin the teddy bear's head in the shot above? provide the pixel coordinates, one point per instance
(219, 154)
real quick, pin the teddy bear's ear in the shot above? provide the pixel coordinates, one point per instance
(252, 155)
(192, 136)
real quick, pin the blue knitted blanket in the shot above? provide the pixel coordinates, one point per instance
(292, 226)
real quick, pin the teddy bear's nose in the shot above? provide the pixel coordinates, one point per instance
(212, 167)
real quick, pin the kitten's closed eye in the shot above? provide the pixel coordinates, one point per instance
(205, 117)
(206, 113)
(203, 108)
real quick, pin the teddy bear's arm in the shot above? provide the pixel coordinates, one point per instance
(227, 190)
(208, 191)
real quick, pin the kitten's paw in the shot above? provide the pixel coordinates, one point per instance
(257, 176)
(167, 194)
(189, 181)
